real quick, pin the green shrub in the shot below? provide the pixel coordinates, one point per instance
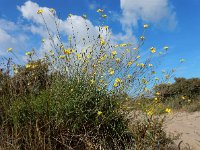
(72, 98)
(189, 88)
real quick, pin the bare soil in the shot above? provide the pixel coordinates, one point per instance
(186, 124)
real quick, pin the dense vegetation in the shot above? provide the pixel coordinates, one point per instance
(50, 112)
(74, 98)
(183, 93)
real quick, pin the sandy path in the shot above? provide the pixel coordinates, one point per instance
(188, 124)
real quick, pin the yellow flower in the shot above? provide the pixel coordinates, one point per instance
(166, 48)
(142, 38)
(129, 76)
(92, 81)
(138, 57)
(67, 51)
(129, 63)
(141, 65)
(103, 57)
(115, 84)
(99, 10)
(10, 49)
(28, 66)
(168, 110)
(146, 25)
(88, 56)
(111, 71)
(157, 93)
(99, 113)
(102, 42)
(61, 56)
(128, 50)
(123, 45)
(117, 60)
(34, 66)
(116, 45)
(155, 98)
(106, 27)
(153, 72)
(40, 11)
(114, 53)
(135, 48)
(156, 78)
(78, 56)
(153, 50)
(150, 113)
(150, 65)
(118, 80)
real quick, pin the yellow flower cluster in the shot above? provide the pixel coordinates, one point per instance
(168, 110)
(111, 71)
(117, 82)
(31, 66)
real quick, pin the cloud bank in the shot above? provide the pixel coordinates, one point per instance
(147, 11)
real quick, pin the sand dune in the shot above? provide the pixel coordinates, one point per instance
(188, 124)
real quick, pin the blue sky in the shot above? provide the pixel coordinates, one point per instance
(172, 23)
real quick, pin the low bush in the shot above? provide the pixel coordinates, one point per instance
(73, 97)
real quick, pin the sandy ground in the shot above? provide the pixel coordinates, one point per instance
(188, 125)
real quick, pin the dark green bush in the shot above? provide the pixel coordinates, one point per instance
(189, 88)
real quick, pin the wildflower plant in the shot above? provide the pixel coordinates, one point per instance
(71, 97)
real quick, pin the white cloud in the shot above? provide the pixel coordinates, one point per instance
(82, 28)
(11, 37)
(151, 11)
